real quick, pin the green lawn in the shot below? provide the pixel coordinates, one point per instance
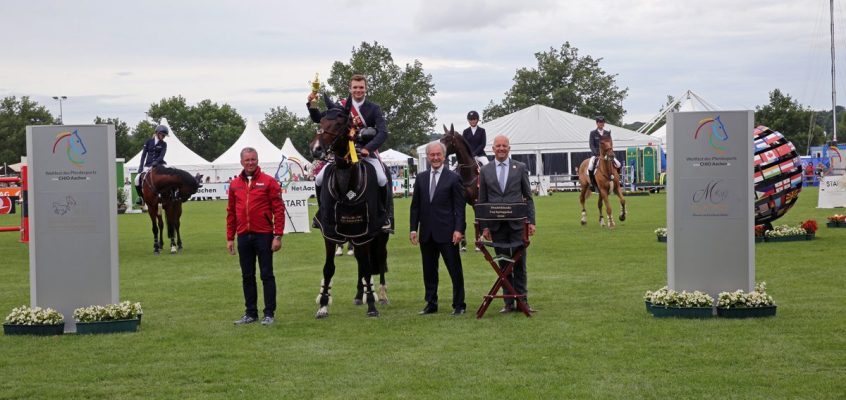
(591, 337)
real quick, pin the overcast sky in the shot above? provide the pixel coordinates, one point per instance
(115, 58)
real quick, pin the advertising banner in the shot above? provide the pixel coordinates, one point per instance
(296, 212)
(832, 191)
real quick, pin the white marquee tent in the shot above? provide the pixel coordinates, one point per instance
(392, 158)
(551, 141)
(178, 155)
(688, 101)
(228, 164)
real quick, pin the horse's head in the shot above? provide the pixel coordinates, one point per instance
(606, 148)
(76, 143)
(450, 140)
(333, 132)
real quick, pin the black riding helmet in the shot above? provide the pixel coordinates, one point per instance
(472, 115)
(162, 129)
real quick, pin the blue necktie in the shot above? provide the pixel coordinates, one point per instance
(433, 184)
(502, 169)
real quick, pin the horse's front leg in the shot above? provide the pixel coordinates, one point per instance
(154, 218)
(324, 297)
(599, 208)
(622, 205)
(608, 213)
(582, 197)
(363, 258)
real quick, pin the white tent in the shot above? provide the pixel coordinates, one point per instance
(392, 157)
(688, 101)
(552, 141)
(178, 155)
(290, 152)
(228, 164)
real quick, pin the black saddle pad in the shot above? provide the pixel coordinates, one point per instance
(349, 207)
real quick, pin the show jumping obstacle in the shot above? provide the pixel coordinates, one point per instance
(23, 228)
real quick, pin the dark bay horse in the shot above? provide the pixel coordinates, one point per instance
(468, 167)
(607, 182)
(171, 187)
(348, 204)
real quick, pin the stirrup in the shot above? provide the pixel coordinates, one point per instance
(502, 258)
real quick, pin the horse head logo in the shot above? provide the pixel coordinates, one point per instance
(290, 169)
(718, 131)
(74, 147)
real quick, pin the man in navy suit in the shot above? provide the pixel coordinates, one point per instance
(437, 224)
(476, 137)
(507, 181)
(152, 156)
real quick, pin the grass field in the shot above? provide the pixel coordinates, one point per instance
(591, 337)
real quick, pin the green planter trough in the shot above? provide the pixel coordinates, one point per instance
(747, 312)
(682, 312)
(37, 330)
(117, 326)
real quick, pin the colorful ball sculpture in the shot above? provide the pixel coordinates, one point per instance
(778, 175)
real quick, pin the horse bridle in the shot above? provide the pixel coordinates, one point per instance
(336, 138)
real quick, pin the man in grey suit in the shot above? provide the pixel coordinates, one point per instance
(507, 181)
(437, 224)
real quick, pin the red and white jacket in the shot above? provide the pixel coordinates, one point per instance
(255, 206)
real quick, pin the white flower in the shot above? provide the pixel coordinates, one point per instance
(739, 298)
(661, 232)
(111, 312)
(25, 315)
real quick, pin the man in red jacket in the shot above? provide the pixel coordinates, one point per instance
(257, 214)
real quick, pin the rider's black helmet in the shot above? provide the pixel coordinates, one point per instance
(600, 119)
(472, 115)
(163, 129)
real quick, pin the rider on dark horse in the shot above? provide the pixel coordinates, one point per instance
(151, 156)
(368, 119)
(595, 136)
(476, 138)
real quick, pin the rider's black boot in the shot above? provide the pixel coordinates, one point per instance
(314, 223)
(140, 200)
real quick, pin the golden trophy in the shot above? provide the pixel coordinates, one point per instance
(315, 88)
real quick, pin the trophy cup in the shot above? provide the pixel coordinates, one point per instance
(315, 88)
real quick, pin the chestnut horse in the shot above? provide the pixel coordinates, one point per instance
(607, 182)
(171, 187)
(347, 185)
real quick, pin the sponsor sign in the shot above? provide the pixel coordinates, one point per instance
(710, 216)
(73, 255)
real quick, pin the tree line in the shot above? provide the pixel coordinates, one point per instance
(562, 79)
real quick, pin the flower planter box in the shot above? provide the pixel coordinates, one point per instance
(792, 238)
(116, 326)
(747, 312)
(836, 224)
(662, 239)
(648, 306)
(759, 239)
(687, 312)
(37, 330)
